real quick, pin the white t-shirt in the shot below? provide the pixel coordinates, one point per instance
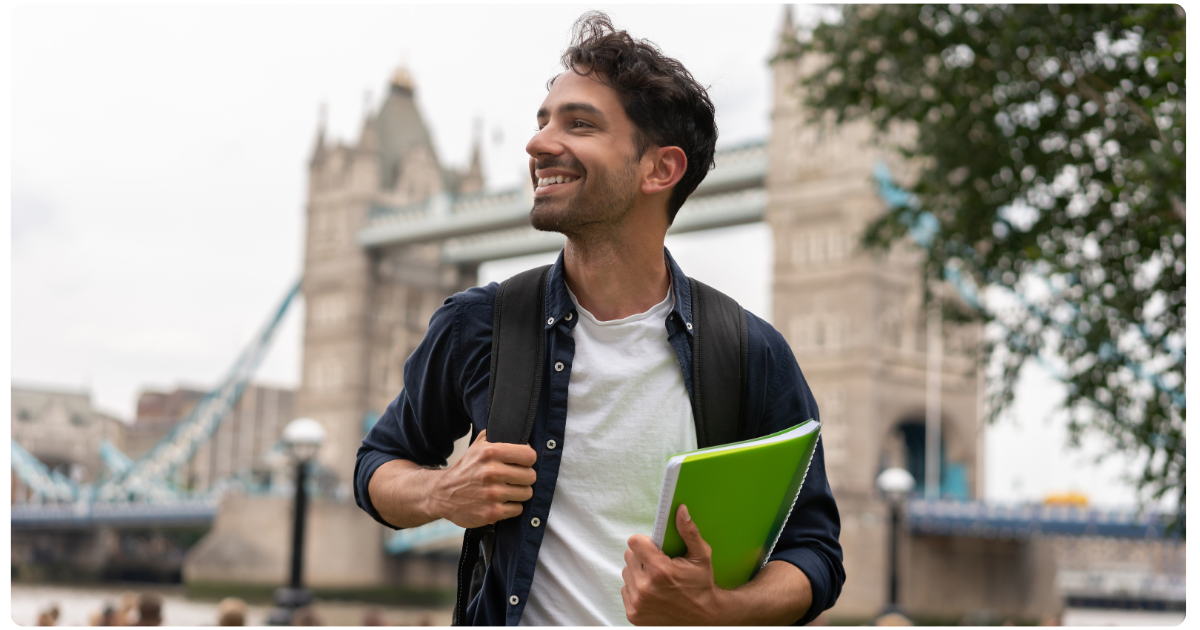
(627, 413)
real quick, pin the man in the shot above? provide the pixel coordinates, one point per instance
(624, 136)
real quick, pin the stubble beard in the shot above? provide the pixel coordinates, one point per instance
(604, 199)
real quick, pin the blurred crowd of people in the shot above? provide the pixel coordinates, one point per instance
(131, 610)
(146, 609)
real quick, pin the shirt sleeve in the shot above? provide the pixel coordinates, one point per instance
(423, 422)
(809, 539)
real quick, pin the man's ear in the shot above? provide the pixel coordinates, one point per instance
(668, 164)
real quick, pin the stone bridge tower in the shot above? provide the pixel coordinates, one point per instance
(856, 323)
(367, 308)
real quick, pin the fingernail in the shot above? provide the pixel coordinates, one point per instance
(687, 518)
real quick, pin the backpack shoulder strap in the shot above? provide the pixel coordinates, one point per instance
(720, 354)
(514, 386)
(518, 356)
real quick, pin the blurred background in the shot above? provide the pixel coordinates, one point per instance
(225, 218)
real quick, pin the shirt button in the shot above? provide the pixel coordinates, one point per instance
(550, 444)
(558, 367)
(549, 321)
(569, 316)
(514, 600)
(536, 521)
(689, 325)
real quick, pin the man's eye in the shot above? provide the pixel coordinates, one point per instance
(580, 123)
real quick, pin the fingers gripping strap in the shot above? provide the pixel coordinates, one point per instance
(518, 356)
(719, 357)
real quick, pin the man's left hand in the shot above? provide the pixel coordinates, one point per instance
(662, 591)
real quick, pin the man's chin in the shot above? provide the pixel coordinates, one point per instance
(547, 216)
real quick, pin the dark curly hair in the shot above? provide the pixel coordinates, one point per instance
(668, 107)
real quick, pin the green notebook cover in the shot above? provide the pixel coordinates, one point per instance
(739, 495)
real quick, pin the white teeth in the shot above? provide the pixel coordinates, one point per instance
(559, 179)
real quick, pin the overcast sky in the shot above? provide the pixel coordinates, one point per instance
(158, 172)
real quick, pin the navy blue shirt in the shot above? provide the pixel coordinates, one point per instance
(445, 396)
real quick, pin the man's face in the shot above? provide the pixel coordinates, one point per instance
(584, 138)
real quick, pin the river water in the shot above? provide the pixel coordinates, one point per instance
(76, 604)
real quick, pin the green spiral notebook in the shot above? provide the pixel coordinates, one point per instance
(739, 495)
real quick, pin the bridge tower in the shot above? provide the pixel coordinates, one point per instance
(367, 309)
(856, 323)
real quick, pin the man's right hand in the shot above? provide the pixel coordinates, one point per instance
(486, 485)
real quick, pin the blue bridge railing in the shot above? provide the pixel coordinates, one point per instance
(1015, 522)
(84, 515)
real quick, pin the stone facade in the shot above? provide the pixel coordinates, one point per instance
(237, 448)
(63, 430)
(251, 543)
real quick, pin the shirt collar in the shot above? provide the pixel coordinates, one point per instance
(559, 304)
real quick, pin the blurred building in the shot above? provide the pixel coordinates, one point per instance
(242, 441)
(157, 414)
(63, 430)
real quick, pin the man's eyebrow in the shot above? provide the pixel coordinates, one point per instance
(572, 107)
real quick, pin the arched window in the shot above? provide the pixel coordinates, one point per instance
(952, 476)
(912, 433)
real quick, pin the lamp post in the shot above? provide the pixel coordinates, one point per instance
(895, 484)
(302, 437)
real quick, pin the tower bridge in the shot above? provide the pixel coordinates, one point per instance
(391, 232)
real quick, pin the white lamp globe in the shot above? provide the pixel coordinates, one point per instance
(895, 482)
(303, 437)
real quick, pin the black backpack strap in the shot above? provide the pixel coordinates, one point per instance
(720, 354)
(518, 356)
(514, 387)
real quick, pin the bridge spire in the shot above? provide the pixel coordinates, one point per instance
(402, 80)
(789, 23)
(369, 139)
(318, 151)
(788, 32)
(472, 179)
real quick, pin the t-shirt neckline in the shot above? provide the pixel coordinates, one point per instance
(657, 309)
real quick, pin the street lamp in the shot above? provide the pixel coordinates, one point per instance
(895, 483)
(302, 438)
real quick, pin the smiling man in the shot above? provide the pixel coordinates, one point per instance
(624, 136)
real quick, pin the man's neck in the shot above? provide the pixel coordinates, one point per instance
(621, 274)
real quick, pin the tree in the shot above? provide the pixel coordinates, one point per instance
(1049, 144)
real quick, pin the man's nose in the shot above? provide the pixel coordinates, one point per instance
(543, 143)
